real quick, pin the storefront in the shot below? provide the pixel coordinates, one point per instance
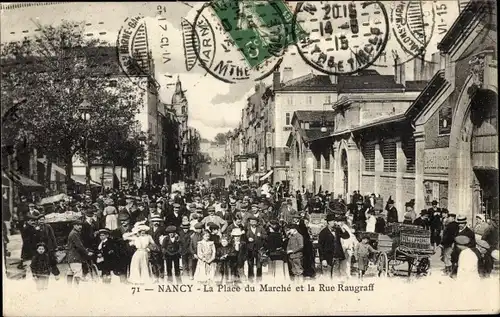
(456, 132)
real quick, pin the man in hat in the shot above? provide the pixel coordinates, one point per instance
(435, 223)
(359, 216)
(422, 220)
(106, 255)
(490, 234)
(89, 230)
(241, 251)
(77, 254)
(196, 237)
(467, 266)
(256, 238)
(308, 249)
(185, 240)
(483, 252)
(174, 217)
(449, 234)
(171, 248)
(224, 213)
(213, 218)
(464, 230)
(392, 212)
(330, 249)
(294, 251)
(287, 212)
(157, 231)
(410, 212)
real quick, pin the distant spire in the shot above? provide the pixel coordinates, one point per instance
(178, 96)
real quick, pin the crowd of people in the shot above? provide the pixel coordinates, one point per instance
(227, 234)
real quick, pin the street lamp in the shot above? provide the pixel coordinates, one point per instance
(142, 138)
(85, 109)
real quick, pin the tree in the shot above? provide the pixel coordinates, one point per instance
(53, 74)
(221, 138)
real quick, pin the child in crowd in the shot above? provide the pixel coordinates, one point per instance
(362, 254)
(225, 255)
(42, 265)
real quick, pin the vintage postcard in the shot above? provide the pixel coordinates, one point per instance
(266, 157)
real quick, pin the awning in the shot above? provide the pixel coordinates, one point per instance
(21, 180)
(81, 180)
(53, 199)
(266, 175)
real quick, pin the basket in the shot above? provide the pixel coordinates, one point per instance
(415, 240)
(385, 243)
(394, 228)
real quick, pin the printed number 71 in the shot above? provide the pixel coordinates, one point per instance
(136, 290)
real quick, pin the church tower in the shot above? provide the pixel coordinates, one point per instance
(179, 103)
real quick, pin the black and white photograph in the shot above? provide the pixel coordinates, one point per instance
(249, 157)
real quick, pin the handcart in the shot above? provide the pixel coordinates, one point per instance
(401, 244)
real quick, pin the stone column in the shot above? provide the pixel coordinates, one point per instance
(400, 169)
(309, 170)
(379, 168)
(337, 175)
(354, 167)
(419, 168)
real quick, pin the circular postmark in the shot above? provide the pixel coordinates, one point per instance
(132, 49)
(412, 25)
(249, 39)
(344, 37)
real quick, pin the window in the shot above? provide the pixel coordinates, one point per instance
(369, 156)
(183, 109)
(327, 160)
(306, 125)
(309, 100)
(409, 151)
(389, 155)
(287, 118)
(290, 100)
(287, 157)
(445, 120)
(328, 99)
(318, 161)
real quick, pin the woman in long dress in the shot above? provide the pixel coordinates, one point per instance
(140, 271)
(111, 215)
(205, 269)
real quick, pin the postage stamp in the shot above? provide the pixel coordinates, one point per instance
(229, 63)
(344, 38)
(261, 29)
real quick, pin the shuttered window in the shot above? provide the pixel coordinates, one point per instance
(369, 156)
(409, 151)
(389, 155)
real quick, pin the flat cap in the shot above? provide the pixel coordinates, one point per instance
(462, 240)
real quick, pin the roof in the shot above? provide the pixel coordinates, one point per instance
(316, 134)
(367, 80)
(473, 9)
(314, 115)
(21, 179)
(432, 89)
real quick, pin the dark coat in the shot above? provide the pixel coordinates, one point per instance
(193, 243)
(241, 254)
(275, 245)
(491, 236)
(185, 240)
(156, 234)
(76, 250)
(259, 238)
(171, 248)
(392, 214)
(330, 246)
(228, 216)
(172, 220)
(109, 254)
(424, 223)
(469, 234)
(43, 265)
(88, 234)
(449, 234)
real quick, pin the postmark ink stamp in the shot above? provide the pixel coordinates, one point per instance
(199, 38)
(344, 37)
(229, 63)
(259, 28)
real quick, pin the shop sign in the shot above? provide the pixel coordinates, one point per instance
(436, 161)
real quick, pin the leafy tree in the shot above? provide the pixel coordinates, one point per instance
(220, 138)
(53, 74)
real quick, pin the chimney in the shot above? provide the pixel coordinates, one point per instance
(399, 71)
(287, 74)
(333, 79)
(276, 80)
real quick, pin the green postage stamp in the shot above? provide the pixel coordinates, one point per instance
(260, 29)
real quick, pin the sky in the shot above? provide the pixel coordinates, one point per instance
(214, 106)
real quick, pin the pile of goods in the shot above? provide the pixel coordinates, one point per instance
(68, 216)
